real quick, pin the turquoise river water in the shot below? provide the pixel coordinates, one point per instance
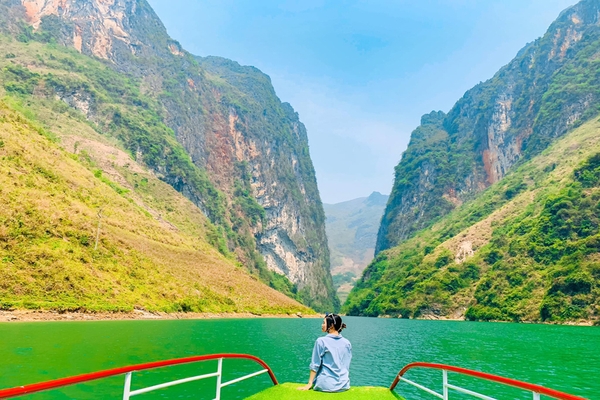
(565, 358)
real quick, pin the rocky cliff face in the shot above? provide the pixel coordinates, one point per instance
(541, 94)
(254, 149)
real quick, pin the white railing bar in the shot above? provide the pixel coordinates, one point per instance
(172, 383)
(536, 396)
(467, 391)
(445, 384)
(219, 377)
(421, 387)
(231, 382)
(127, 388)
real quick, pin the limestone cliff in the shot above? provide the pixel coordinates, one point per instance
(261, 187)
(541, 94)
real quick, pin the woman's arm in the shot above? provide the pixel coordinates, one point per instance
(315, 364)
(311, 378)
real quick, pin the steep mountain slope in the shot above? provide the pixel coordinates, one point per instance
(250, 169)
(86, 228)
(526, 249)
(550, 87)
(351, 232)
(268, 150)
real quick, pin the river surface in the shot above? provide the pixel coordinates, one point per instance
(565, 358)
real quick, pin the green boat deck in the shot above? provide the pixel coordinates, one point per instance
(289, 391)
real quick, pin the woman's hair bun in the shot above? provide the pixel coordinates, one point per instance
(335, 321)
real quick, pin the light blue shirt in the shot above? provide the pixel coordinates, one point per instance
(331, 361)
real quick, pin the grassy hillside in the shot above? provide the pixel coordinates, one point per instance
(92, 230)
(117, 133)
(526, 249)
(211, 128)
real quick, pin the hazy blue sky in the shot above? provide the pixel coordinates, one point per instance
(361, 73)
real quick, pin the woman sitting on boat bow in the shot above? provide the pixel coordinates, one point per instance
(330, 358)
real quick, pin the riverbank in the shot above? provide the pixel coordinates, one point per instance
(43, 315)
(461, 317)
(40, 315)
(431, 317)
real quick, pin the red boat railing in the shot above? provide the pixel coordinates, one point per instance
(127, 392)
(535, 389)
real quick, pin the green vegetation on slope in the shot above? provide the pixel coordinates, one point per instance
(188, 108)
(45, 80)
(112, 103)
(525, 249)
(73, 239)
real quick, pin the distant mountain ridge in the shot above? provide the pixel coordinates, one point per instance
(351, 232)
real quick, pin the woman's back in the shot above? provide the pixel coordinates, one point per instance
(331, 359)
